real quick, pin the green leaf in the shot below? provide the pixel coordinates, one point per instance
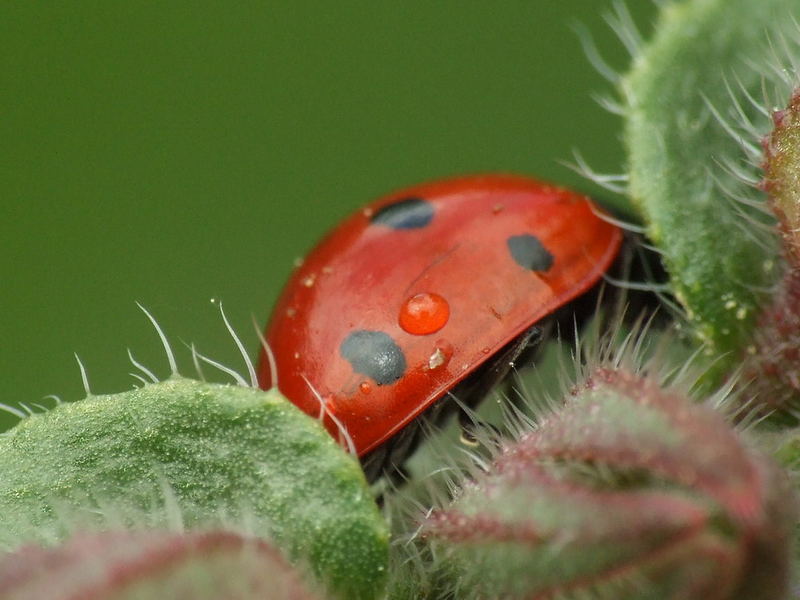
(198, 453)
(681, 99)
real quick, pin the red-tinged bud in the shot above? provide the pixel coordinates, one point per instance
(628, 491)
(782, 174)
(771, 372)
(157, 564)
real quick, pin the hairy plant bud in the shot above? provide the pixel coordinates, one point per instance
(782, 174)
(626, 491)
(122, 565)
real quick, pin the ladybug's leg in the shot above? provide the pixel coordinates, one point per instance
(479, 387)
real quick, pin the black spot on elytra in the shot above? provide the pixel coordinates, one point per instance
(529, 253)
(408, 213)
(374, 354)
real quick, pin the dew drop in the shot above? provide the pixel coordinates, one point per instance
(365, 387)
(436, 359)
(424, 313)
(442, 352)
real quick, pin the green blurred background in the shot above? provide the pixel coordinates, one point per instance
(176, 152)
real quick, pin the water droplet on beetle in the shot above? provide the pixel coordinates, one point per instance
(436, 359)
(365, 387)
(424, 313)
(442, 352)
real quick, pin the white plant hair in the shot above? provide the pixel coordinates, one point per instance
(146, 376)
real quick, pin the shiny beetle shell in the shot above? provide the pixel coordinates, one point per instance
(414, 292)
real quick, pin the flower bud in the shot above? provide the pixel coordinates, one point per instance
(120, 565)
(626, 491)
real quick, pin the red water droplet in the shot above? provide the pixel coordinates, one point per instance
(424, 313)
(365, 387)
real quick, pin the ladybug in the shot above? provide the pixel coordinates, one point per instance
(412, 297)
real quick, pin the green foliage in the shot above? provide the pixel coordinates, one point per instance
(682, 97)
(199, 453)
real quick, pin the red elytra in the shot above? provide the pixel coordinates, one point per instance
(414, 292)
